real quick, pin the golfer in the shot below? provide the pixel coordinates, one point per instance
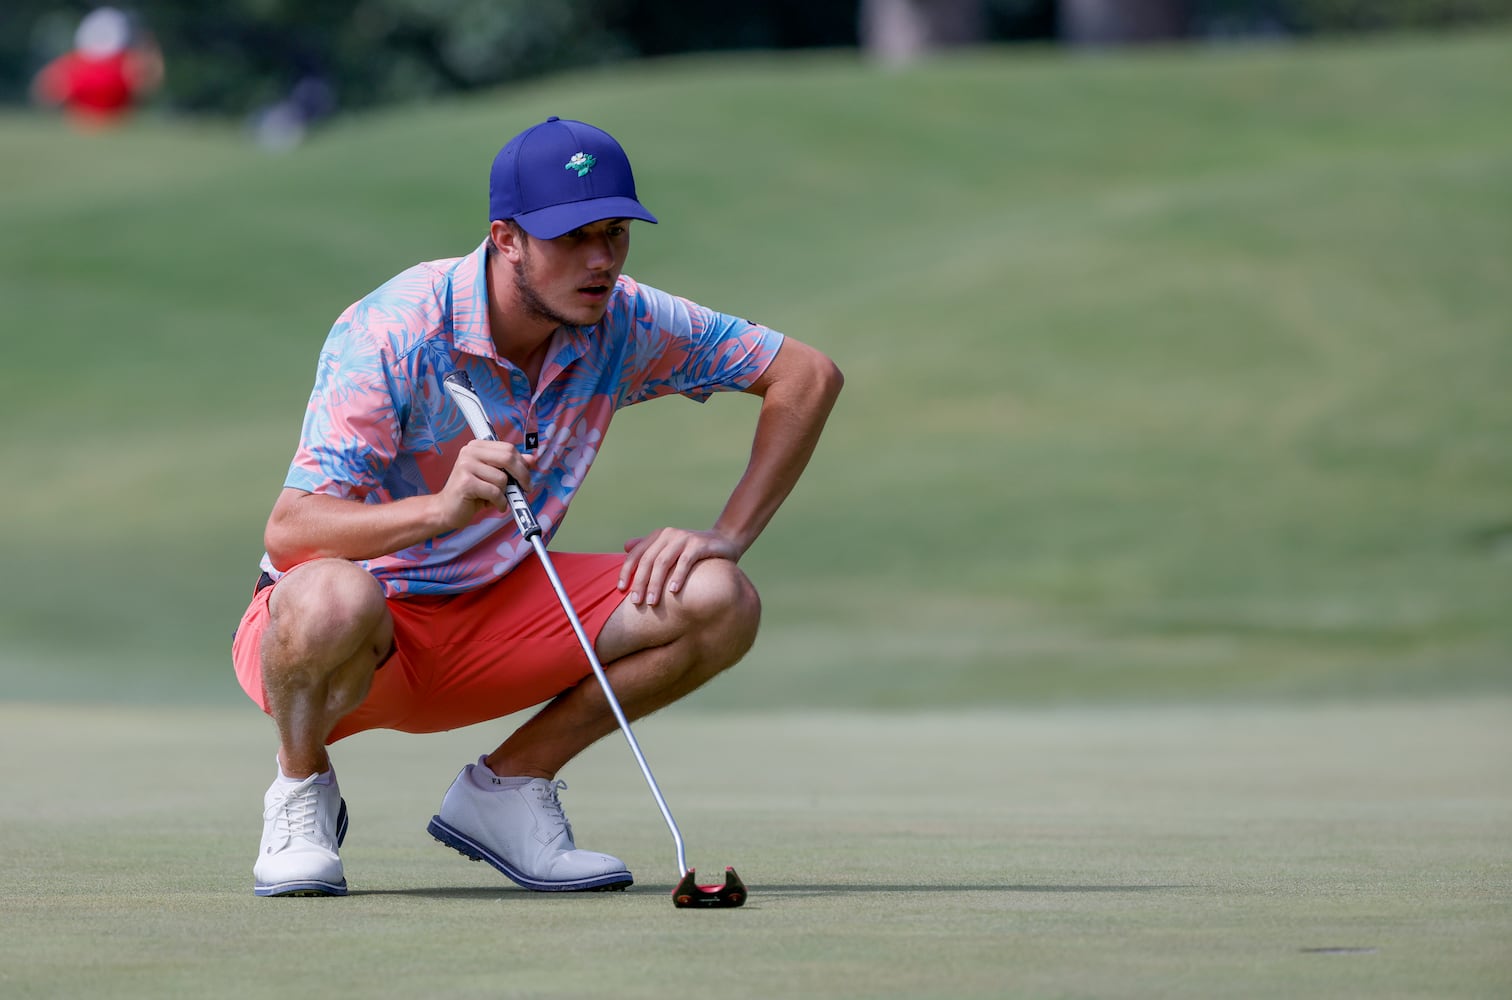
(396, 591)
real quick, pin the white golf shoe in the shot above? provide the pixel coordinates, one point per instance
(303, 825)
(522, 832)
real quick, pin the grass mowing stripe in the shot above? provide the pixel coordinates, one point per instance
(1320, 851)
(1192, 357)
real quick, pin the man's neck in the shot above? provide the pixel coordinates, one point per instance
(520, 338)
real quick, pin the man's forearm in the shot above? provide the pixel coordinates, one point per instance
(305, 526)
(794, 409)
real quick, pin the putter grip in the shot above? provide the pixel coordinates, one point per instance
(459, 387)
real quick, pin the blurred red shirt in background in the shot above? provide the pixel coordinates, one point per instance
(105, 75)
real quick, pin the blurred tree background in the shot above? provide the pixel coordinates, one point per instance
(233, 57)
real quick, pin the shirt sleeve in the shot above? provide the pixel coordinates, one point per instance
(352, 427)
(680, 347)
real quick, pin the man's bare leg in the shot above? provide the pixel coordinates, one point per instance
(329, 628)
(653, 656)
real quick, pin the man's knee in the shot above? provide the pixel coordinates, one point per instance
(718, 595)
(328, 610)
(716, 612)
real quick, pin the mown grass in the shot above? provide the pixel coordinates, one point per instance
(1308, 851)
(1172, 377)
(1169, 376)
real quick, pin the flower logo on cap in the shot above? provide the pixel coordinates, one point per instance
(581, 162)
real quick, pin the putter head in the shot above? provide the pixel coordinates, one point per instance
(689, 893)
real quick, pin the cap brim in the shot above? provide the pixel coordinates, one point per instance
(551, 222)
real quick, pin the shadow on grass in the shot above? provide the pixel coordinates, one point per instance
(804, 890)
(757, 890)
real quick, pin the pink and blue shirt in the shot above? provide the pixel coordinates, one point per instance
(380, 426)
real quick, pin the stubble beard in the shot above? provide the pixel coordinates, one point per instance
(535, 303)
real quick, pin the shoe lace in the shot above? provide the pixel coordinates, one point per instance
(552, 805)
(294, 813)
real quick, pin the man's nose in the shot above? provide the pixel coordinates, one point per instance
(600, 252)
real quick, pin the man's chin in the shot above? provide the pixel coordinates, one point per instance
(589, 315)
(593, 304)
(578, 316)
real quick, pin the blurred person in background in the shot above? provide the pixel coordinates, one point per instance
(111, 69)
(285, 123)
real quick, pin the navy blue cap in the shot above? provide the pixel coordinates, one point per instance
(559, 175)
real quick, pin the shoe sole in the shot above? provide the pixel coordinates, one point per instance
(302, 888)
(466, 846)
(310, 887)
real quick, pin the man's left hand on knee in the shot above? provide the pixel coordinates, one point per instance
(659, 563)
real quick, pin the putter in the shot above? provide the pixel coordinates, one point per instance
(688, 893)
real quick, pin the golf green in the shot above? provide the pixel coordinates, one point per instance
(1323, 851)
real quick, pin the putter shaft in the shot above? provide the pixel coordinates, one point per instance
(614, 705)
(460, 388)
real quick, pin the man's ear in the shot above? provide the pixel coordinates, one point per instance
(507, 239)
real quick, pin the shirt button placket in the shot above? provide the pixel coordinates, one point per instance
(520, 386)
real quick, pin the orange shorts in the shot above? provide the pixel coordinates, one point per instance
(466, 658)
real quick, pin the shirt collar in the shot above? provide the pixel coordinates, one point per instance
(469, 316)
(469, 304)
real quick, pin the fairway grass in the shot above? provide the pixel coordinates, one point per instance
(1173, 374)
(1332, 850)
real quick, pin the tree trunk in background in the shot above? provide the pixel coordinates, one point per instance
(1121, 22)
(897, 31)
